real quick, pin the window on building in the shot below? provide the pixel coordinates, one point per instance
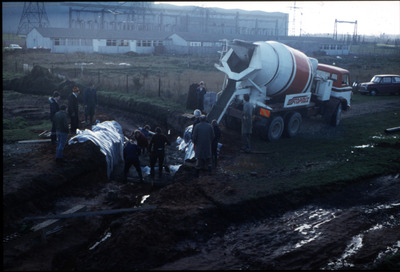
(123, 43)
(146, 43)
(207, 44)
(195, 44)
(111, 43)
(73, 42)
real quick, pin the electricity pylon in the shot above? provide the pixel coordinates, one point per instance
(33, 15)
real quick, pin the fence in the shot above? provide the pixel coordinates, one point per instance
(171, 85)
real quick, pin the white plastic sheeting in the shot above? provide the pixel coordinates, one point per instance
(186, 144)
(109, 137)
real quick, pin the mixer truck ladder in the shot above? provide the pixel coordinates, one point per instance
(219, 109)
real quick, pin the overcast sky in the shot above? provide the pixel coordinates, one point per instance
(373, 17)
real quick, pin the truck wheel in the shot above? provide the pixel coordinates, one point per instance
(292, 124)
(336, 116)
(275, 129)
(372, 92)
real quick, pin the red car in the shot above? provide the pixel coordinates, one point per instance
(381, 84)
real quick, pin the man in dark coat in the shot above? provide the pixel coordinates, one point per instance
(203, 135)
(90, 102)
(201, 91)
(61, 125)
(73, 110)
(54, 108)
(131, 157)
(157, 151)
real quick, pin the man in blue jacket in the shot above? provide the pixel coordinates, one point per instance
(131, 157)
(61, 125)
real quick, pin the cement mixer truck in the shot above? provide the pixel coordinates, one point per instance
(284, 86)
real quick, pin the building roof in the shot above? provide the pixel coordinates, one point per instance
(214, 37)
(100, 34)
(142, 35)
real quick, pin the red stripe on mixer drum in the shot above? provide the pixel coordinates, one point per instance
(302, 78)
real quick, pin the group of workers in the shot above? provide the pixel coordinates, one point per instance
(59, 115)
(146, 141)
(205, 136)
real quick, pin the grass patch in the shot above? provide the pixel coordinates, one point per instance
(355, 150)
(19, 129)
(129, 97)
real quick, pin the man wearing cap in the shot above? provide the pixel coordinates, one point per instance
(73, 110)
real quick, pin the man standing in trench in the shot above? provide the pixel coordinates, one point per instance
(61, 126)
(131, 157)
(156, 150)
(203, 135)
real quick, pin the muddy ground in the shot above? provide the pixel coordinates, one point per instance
(205, 223)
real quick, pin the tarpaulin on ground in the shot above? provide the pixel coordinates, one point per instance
(186, 144)
(109, 137)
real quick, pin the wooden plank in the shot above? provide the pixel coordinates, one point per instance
(256, 152)
(394, 129)
(48, 223)
(34, 141)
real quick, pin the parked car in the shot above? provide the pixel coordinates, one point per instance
(13, 47)
(381, 84)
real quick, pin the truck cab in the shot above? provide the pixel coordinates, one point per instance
(341, 87)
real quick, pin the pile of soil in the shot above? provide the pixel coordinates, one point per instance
(194, 223)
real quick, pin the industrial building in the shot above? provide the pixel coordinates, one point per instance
(145, 28)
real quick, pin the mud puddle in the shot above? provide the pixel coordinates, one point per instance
(326, 235)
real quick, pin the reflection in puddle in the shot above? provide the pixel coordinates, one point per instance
(356, 243)
(351, 249)
(384, 137)
(315, 219)
(108, 235)
(144, 198)
(363, 146)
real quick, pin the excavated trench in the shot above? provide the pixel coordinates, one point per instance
(205, 223)
(194, 225)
